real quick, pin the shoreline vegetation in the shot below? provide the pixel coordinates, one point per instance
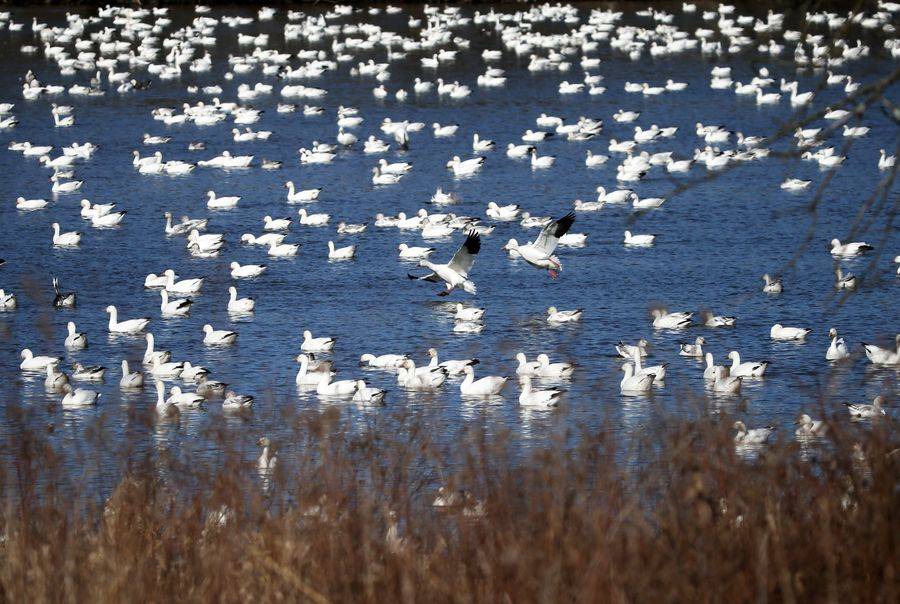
(348, 515)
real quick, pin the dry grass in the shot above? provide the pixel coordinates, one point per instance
(347, 516)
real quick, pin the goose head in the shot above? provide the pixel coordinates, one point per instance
(26, 354)
(551, 310)
(709, 359)
(521, 358)
(832, 333)
(248, 238)
(512, 244)
(366, 358)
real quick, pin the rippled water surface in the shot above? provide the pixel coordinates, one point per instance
(714, 241)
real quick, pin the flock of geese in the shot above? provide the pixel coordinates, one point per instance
(124, 51)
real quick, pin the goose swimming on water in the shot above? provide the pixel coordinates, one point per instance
(62, 299)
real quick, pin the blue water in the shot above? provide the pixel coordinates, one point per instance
(715, 240)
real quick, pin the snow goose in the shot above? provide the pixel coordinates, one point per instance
(452, 367)
(185, 226)
(343, 253)
(886, 162)
(617, 196)
(276, 224)
(130, 326)
(844, 280)
(173, 308)
(234, 403)
(90, 211)
(710, 371)
(7, 300)
(863, 411)
(593, 160)
(481, 144)
(540, 253)
(62, 299)
(883, 356)
(192, 372)
(424, 378)
(468, 327)
(150, 353)
(724, 383)
(808, 427)
(639, 240)
(456, 272)
(75, 340)
(218, 337)
(29, 205)
(529, 397)
(490, 385)
(308, 375)
(755, 436)
(163, 407)
(220, 203)
(468, 313)
(553, 370)
(635, 384)
(444, 198)
(208, 243)
(76, 397)
(378, 178)
(795, 184)
(88, 373)
(658, 371)
(837, 350)
(747, 368)
(467, 167)
(343, 388)
(346, 228)
(267, 460)
(305, 196)
(541, 162)
(646, 203)
(588, 206)
(711, 320)
(410, 253)
(208, 388)
(663, 319)
(311, 344)
(514, 151)
(36, 363)
(183, 286)
(692, 350)
(779, 332)
(848, 250)
(131, 380)
(384, 361)
(108, 220)
(239, 305)
(526, 367)
(184, 400)
(246, 271)
(555, 316)
(367, 394)
(308, 219)
(55, 379)
(69, 239)
(498, 212)
(772, 286)
(65, 187)
(263, 240)
(283, 250)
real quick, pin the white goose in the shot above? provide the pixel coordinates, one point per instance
(384, 361)
(526, 367)
(468, 313)
(311, 344)
(639, 240)
(305, 196)
(810, 427)
(184, 400)
(837, 350)
(218, 337)
(55, 379)
(149, 353)
(490, 385)
(745, 369)
(425, 378)
(408, 252)
(530, 397)
(220, 203)
(848, 250)
(283, 250)
(311, 376)
(563, 316)
(773, 285)
(756, 436)
(633, 384)
(692, 350)
(367, 394)
(540, 253)
(173, 308)
(246, 271)
(546, 369)
(859, 410)
(883, 356)
(69, 239)
(709, 372)
(326, 387)
(75, 340)
(36, 363)
(76, 397)
(239, 305)
(313, 219)
(162, 369)
(131, 380)
(724, 383)
(130, 326)
(343, 253)
(779, 332)
(183, 286)
(663, 319)
(456, 272)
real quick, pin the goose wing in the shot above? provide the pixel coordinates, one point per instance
(549, 237)
(432, 277)
(465, 256)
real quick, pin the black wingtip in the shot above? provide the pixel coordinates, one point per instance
(564, 224)
(473, 242)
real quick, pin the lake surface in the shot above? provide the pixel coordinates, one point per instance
(714, 242)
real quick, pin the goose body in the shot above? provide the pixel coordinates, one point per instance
(75, 340)
(772, 286)
(184, 400)
(239, 305)
(69, 239)
(540, 253)
(487, 386)
(305, 196)
(468, 313)
(173, 308)
(425, 378)
(837, 350)
(546, 369)
(848, 250)
(310, 376)
(863, 411)
(722, 383)
(529, 397)
(384, 361)
(55, 379)
(92, 373)
(130, 380)
(563, 316)
(76, 397)
(236, 402)
(632, 383)
(639, 240)
(218, 337)
(779, 332)
(883, 356)
(246, 271)
(755, 436)
(311, 344)
(343, 253)
(808, 427)
(745, 369)
(130, 326)
(343, 388)
(30, 362)
(456, 272)
(693, 350)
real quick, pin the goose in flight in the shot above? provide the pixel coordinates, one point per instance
(540, 253)
(456, 272)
